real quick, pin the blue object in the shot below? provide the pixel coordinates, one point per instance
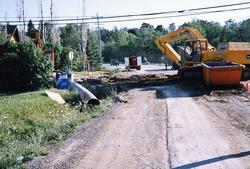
(58, 75)
(63, 84)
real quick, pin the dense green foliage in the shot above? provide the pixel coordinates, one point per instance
(62, 59)
(23, 67)
(71, 40)
(30, 120)
(215, 33)
(126, 42)
(70, 37)
(129, 42)
(95, 60)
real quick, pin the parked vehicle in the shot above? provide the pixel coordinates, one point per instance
(114, 62)
(133, 62)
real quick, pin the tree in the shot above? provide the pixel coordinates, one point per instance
(105, 35)
(146, 37)
(213, 32)
(197, 24)
(62, 59)
(171, 27)
(47, 34)
(210, 30)
(244, 30)
(230, 31)
(146, 25)
(92, 51)
(160, 29)
(134, 31)
(31, 30)
(69, 37)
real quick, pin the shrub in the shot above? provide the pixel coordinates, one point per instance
(23, 67)
(62, 60)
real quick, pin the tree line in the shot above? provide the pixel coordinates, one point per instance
(124, 42)
(140, 41)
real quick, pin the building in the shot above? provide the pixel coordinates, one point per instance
(12, 32)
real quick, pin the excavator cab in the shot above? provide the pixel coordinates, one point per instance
(194, 50)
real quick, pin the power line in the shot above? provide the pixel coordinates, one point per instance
(64, 21)
(178, 11)
(174, 16)
(140, 15)
(149, 14)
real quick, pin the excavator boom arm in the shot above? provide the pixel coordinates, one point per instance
(185, 33)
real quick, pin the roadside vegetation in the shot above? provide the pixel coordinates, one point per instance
(23, 67)
(30, 122)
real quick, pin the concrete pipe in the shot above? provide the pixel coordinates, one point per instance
(85, 95)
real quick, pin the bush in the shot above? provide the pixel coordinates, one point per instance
(62, 60)
(23, 67)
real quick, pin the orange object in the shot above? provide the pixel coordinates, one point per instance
(222, 73)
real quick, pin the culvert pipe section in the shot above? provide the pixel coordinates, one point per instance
(85, 95)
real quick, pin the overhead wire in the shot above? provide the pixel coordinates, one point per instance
(107, 19)
(155, 13)
(174, 16)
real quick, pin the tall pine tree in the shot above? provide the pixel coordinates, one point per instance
(31, 30)
(92, 51)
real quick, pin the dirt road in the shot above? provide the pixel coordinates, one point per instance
(160, 127)
(133, 135)
(197, 138)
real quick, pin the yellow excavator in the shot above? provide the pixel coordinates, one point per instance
(197, 50)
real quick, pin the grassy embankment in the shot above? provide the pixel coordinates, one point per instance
(29, 121)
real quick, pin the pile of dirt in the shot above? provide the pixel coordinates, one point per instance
(139, 79)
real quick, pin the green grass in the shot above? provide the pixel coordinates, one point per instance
(31, 120)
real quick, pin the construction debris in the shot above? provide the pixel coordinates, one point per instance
(56, 97)
(120, 99)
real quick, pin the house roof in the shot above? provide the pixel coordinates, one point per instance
(11, 29)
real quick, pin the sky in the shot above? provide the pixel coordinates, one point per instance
(73, 8)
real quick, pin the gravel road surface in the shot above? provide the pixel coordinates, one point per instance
(135, 137)
(171, 126)
(197, 138)
(132, 135)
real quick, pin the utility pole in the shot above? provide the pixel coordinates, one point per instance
(51, 10)
(42, 36)
(99, 36)
(23, 18)
(6, 16)
(84, 39)
(19, 12)
(51, 24)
